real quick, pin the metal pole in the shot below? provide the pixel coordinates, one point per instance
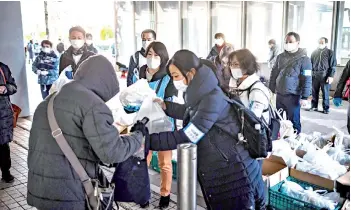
(187, 176)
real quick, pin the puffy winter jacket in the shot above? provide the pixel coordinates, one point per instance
(223, 74)
(6, 113)
(323, 62)
(87, 125)
(229, 177)
(46, 62)
(342, 81)
(213, 53)
(292, 74)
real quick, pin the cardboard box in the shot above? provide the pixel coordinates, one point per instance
(273, 172)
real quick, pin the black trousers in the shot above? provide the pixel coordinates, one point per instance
(320, 82)
(5, 159)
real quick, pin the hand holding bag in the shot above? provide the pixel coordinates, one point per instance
(98, 197)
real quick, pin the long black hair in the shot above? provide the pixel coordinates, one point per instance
(185, 60)
(161, 50)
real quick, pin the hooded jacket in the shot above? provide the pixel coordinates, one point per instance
(87, 125)
(228, 176)
(292, 74)
(6, 113)
(66, 58)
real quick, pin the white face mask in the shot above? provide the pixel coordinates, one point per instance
(77, 43)
(148, 76)
(236, 73)
(153, 63)
(146, 44)
(46, 50)
(89, 42)
(290, 47)
(219, 42)
(179, 85)
(322, 46)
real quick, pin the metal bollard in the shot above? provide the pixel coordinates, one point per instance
(186, 176)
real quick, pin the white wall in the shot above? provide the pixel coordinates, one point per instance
(12, 50)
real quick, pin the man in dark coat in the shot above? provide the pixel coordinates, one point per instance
(7, 87)
(60, 47)
(87, 124)
(323, 70)
(77, 52)
(138, 59)
(228, 176)
(291, 79)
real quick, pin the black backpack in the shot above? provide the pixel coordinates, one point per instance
(255, 133)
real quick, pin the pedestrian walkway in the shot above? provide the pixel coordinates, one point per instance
(13, 196)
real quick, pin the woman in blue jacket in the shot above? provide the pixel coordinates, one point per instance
(229, 177)
(156, 74)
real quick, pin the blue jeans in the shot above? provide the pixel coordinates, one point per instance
(45, 90)
(291, 105)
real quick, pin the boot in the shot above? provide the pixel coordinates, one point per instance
(7, 177)
(164, 201)
(144, 206)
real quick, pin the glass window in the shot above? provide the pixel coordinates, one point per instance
(196, 27)
(125, 31)
(343, 39)
(168, 25)
(144, 19)
(311, 20)
(264, 22)
(222, 15)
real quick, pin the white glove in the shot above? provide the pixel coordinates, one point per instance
(44, 73)
(330, 80)
(38, 72)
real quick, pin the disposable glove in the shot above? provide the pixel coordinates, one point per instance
(337, 102)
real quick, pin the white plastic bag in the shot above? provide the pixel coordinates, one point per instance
(282, 149)
(339, 152)
(61, 81)
(158, 120)
(135, 94)
(122, 118)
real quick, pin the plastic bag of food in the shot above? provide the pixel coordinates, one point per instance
(122, 118)
(134, 95)
(158, 120)
(282, 149)
(339, 152)
(61, 81)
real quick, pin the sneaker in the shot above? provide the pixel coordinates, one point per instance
(326, 111)
(313, 109)
(8, 178)
(164, 201)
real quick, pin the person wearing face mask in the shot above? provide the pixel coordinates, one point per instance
(229, 177)
(273, 53)
(138, 59)
(291, 79)
(155, 73)
(323, 70)
(246, 84)
(90, 45)
(46, 67)
(77, 52)
(216, 49)
(222, 69)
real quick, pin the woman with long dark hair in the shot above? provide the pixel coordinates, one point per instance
(228, 176)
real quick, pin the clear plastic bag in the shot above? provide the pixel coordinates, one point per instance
(158, 120)
(135, 94)
(339, 152)
(61, 81)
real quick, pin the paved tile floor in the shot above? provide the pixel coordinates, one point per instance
(13, 196)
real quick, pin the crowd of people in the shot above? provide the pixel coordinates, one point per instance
(229, 177)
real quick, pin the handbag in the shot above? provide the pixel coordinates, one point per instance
(15, 109)
(98, 192)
